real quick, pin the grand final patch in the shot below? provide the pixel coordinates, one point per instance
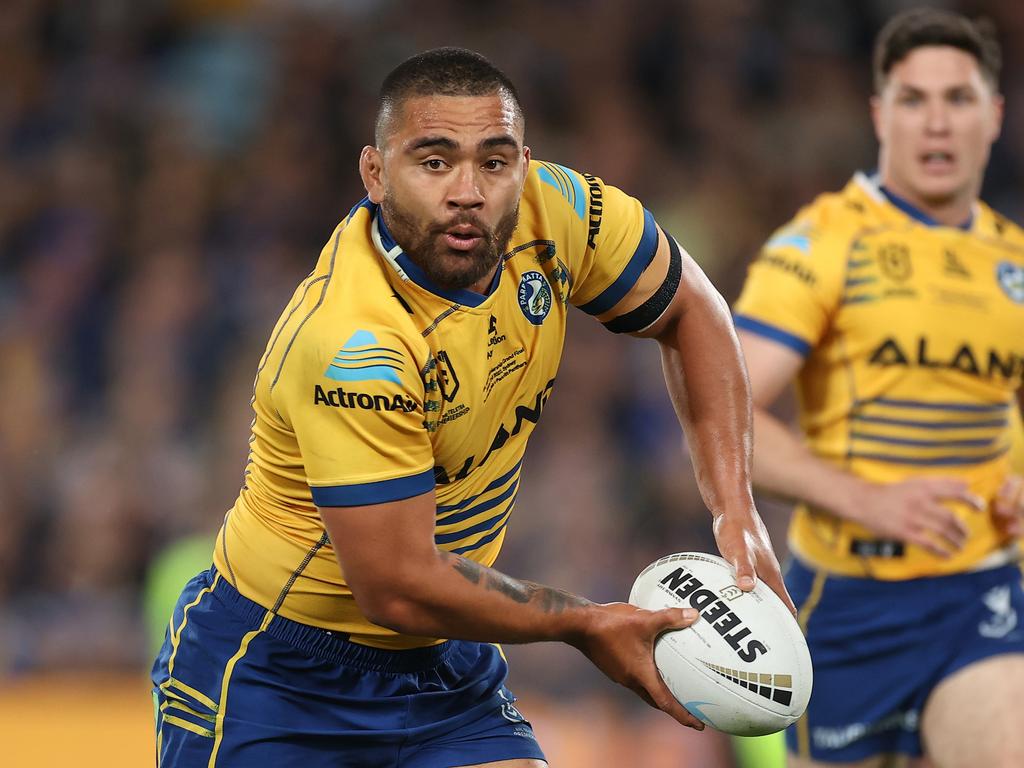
(534, 296)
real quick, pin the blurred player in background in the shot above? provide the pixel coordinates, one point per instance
(393, 405)
(897, 305)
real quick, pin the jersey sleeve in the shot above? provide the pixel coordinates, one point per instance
(794, 286)
(613, 245)
(355, 402)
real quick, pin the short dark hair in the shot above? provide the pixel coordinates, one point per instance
(441, 72)
(929, 26)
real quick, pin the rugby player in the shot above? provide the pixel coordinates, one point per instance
(350, 615)
(897, 306)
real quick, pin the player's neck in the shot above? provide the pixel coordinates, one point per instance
(955, 211)
(485, 284)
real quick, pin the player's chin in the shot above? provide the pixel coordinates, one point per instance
(940, 190)
(463, 268)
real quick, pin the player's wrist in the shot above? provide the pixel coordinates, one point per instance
(582, 625)
(847, 498)
(739, 506)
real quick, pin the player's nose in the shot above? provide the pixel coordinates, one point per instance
(937, 118)
(464, 189)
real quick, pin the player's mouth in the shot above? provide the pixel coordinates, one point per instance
(938, 161)
(463, 237)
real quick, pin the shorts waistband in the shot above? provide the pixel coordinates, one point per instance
(326, 644)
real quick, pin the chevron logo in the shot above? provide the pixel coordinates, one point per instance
(363, 359)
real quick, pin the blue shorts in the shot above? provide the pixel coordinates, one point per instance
(237, 685)
(879, 648)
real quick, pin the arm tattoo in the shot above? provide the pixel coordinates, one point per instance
(546, 599)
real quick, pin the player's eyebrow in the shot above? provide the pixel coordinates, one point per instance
(439, 142)
(443, 142)
(499, 141)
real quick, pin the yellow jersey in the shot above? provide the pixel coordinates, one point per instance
(911, 334)
(377, 385)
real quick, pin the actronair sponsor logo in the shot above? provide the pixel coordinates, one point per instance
(339, 398)
(363, 359)
(715, 611)
(770, 685)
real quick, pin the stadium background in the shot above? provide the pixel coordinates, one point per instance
(168, 172)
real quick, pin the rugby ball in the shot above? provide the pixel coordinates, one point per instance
(743, 667)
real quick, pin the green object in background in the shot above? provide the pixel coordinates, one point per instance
(760, 751)
(167, 575)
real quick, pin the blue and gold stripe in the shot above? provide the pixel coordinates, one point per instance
(773, 333)
(473, 522)
(638, 262)
(928, 433)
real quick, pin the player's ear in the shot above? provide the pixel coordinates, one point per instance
(526, 158)
(371, 170)
(876, 116)
(998, 108)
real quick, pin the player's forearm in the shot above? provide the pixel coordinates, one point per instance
(708, 386)
(457, 598)
(784, 466)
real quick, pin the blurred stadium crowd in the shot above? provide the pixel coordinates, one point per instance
(170, 170)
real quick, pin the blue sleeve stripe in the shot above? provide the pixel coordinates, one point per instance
(373, 493)
(774, 333)
(638, 262)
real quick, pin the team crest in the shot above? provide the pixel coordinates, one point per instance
(534, 296)
(1011, 280)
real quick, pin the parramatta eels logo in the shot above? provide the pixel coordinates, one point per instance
(534, 296)
(1011, 280)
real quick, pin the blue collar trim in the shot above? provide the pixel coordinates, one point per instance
(916, 213)
(418, 276)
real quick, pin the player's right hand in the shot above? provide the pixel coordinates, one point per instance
(915, 511)
(619, 640)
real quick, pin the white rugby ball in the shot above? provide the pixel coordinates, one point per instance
(743, 667)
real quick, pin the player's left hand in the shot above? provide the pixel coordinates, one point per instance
(1008, 509)
(744, 542)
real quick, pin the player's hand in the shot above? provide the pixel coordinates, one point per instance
(1008, 510)
(619, 640)
(744, 543)
(915, 511)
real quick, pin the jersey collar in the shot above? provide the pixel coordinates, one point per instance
(407, 269)
(906, 206)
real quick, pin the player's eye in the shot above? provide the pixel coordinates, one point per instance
(433, 164)
(910, 99)
(961, 97)
(494, 164)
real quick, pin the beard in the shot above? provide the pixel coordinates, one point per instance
(446, 267)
